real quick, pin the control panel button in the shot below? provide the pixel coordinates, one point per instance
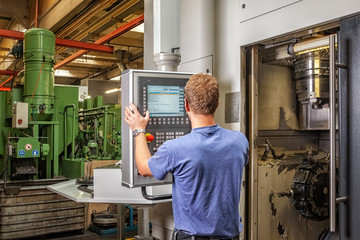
(149, 137)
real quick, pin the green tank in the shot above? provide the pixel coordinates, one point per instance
(99, 101)
(88, 103)
(39, 59)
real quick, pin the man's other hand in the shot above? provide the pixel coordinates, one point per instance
(134, 119)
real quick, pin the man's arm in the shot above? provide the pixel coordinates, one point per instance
(142, 153)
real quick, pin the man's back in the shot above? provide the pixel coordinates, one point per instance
(207, 165)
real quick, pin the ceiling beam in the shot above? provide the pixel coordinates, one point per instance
(8, 72)
(109, 19)
(5, 89)
(61, 42)
(11, 34)
(121, 30)
(84, 45)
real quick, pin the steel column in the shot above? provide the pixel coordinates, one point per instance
(120, 221)
(143, 223)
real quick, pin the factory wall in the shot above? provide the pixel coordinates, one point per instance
(98, 88)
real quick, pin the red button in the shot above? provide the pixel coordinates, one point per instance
(149, 137)
(20, 121)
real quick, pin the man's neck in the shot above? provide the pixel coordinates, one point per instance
(201, 120)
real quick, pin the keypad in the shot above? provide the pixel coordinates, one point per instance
(168, 121)
(161, 137)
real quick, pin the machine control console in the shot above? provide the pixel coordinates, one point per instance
(162, 94)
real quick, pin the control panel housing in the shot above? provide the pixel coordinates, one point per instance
(162, 94)
(20, 115)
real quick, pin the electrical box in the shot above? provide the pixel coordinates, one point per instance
(20, 115)
(162, 94)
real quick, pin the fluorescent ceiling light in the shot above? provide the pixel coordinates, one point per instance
(113, 90)
(116, 78)
(139, 28)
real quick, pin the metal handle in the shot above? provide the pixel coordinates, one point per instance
(332, 95)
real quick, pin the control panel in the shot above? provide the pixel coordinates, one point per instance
(162, 94)
(20, 115)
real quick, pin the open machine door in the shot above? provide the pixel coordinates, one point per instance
(349, 118)
(303, 118)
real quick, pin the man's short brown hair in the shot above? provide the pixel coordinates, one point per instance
(202, 93)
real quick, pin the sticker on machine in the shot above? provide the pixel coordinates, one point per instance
(28, 147)
(21, 152)
(35, 152)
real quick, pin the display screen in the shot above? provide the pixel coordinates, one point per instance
(165, 101)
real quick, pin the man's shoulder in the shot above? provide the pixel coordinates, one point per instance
(233, 132)
(235, 136)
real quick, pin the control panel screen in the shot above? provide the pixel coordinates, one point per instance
(165, 101)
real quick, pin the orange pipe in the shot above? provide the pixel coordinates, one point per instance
(7, 80)
(36, 13)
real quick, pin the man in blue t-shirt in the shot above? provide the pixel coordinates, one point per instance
(207, 165)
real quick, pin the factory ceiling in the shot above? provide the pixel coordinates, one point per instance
(80, 20)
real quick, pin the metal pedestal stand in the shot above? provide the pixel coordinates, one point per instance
(143, 222)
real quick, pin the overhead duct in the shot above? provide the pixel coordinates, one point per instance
(166, 34)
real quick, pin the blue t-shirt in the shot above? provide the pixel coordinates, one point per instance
(207, 165)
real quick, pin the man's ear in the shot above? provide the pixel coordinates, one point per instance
(187, 108)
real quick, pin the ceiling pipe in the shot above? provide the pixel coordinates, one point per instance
(6, 81)
(121, 30)
(36, 13)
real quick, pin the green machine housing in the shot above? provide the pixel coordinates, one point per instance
(45, 131)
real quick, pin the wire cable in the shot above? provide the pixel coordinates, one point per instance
(37, 80)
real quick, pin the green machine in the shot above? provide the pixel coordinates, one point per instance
(45, 132)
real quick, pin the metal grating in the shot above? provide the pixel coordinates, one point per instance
(36, 211)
